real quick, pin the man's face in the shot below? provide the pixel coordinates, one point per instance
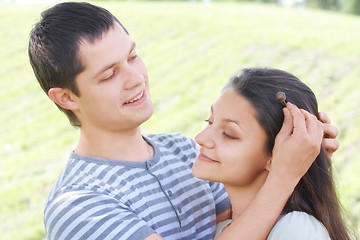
(114, 86)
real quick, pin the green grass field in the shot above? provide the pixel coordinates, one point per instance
(191, 49)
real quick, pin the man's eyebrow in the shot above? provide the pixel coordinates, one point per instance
(133, 46)
(111, 65)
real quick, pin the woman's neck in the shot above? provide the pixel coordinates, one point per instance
(241, 196)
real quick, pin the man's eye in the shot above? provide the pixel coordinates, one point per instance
(132, 58)
(110, 77)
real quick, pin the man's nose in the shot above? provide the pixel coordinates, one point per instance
(133, 78)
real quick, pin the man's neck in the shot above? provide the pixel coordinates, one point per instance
(127, 145)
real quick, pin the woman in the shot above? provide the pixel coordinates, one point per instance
(236, 149)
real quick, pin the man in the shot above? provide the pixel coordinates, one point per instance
(118, 183)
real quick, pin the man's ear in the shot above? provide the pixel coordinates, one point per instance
(63, 97)
(268, 164)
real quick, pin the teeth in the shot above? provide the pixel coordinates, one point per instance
(135, 99)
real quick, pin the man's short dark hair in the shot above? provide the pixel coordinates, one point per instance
(54, 44)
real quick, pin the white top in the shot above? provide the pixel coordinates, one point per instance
(294, 225)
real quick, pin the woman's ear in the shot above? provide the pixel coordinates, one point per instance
(63, 98)
(268, 165)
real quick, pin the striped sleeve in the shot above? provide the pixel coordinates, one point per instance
(88, 215)
(222, 201)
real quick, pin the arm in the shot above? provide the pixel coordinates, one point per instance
(89, 215)
(296, 147)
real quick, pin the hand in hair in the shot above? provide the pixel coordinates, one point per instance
(297, 144)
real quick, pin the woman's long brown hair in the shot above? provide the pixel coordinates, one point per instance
(315, 193)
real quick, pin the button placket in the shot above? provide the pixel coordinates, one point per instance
(167, 193)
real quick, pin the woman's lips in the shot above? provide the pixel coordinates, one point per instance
(203, 157)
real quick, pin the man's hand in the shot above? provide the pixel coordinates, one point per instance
(297, 144)
(329, 142)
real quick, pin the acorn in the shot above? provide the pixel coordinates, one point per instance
(281, 97)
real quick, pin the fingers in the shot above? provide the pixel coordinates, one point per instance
(324, 118)
(314, 127)
(298, 119)
(293, 154)
(294, 121)
(330, 131)
(307, 124)
(300, 122)
(330, 145)
(287, 127)
(329, 142)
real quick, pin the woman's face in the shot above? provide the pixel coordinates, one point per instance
(232, 145)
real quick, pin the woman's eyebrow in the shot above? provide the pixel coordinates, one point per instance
(228, 120)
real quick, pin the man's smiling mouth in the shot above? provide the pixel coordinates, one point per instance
(136, 98)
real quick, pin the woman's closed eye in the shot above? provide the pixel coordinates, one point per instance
(209, 121)
(229, 136)
(225, 134)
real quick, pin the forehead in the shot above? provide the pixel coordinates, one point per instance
(114, 43)
(234, 104)
(231, 106)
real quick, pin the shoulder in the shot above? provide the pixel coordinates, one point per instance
(172, 142)
(80, 214)
(84, 174)
(298, 225)
(167, 137)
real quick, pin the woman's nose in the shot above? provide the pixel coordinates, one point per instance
(204, 138)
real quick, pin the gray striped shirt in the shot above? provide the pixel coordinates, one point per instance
(97, 198)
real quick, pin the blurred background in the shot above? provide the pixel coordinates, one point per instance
(191, 48)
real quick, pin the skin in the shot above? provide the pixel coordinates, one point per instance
(232, 145)
(232, 150)
(114, 75)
